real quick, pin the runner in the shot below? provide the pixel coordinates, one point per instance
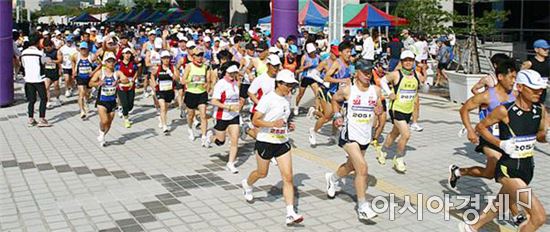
(378, 73)
(82, 69)
(227, 104)
(179, 60)
(364, 107)
(197, 78)
(308, 64)
(106, 80)
(164, 83)
(247, 75)
(338, 74)
(271, 117)
(541, 63)
(153, 62)
(67, 51)
(51, 71)
(405, 82)
(127, 90)
(490, 80)
(521, 124)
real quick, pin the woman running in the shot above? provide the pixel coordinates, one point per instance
(106, 80)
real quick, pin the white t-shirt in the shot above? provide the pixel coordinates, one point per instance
(228, 94)
(32, 60)
(261, 86)
(67, 52)
(421, 50)
(368, 49)
(274, 107)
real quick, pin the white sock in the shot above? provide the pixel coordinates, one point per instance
(361, 202)
(457, 172)
(290, 210)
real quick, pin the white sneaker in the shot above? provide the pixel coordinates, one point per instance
(399, 165)
(416, 127)
(49, 105)
(293, 219)
(208, 139)
(311, 112)
(165, 129)
(59, 102)
(365, 212)
(312, 137)
(230, 166)
(296, 111)
(274, 161)
(101, 139)
(67, 93)
(247, 191)
(331, 185)
(190, 134)
(119, 112)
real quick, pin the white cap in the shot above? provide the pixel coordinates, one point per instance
(273, 50)
(57, 32)
(207, 31)
(108, 55)
(152, 32)
(112, 34)
(286, 76)
(88, 30)
(99, 39)
(281, 40)
(165, 54)
(180, 36)
(45, 33)
(158, 43)
(190, 44)
(207, 39)
(406, 54)
(125, 50)
(232, 69)
(38, 28)
(93, 29)
(310, 48)
(531, 79)
(273, 59)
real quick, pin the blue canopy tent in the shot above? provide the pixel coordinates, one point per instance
(85, 18)
(198, 16)
(126, 17)
(115, 17)
(144, 14)
(154, 17)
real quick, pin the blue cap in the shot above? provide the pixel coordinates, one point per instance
(83, 45)
(70, 38)
(293, 49)
(335, 42)
(541, 44)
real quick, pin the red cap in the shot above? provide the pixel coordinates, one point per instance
(334, 50)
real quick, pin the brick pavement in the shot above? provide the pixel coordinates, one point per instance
(59, 179)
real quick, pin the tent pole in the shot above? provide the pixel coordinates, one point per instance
(387, 12)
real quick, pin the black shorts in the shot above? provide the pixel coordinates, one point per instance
(484, 143)
(343, 140)
(324, 95)
(221, 125)
(271, 150)
(515, 168)
(109, 105)
(442, 66)
(179, 86)
(192, 100)
(167, 96)
(396, 115)
(306, 82)
(251, 116)
(68, 71)
(52, 74)
(384, 107)
(83, 82)
(243, 91)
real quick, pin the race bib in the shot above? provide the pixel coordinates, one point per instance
(362, 114)
(85, 70)
(108, 91)
(50, 66)
(165, 85)
(278, 133)
(198, 79)
(407, 95)
(233, 102)
(525, 146)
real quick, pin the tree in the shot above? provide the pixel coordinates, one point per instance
(425, 16)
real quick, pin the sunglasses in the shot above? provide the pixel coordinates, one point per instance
(200, 54)
(110, 61)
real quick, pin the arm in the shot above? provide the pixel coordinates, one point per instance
(333, 70)
(498, 115)
(95, 81)
(122, 78)
(337, 98)
(479, 85)
(526, 65)
(473, 103)
(73, 59)
(184, 79)
(544, 133)
(380, 115)
(388, 78)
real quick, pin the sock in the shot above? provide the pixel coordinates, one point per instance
(457, 172)
(101, 133)
(290, 210)
(361, 202)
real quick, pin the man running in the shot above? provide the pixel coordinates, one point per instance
(405, 82)
(364, 106)
(51, 71)
(227, 105)
(271, 117)
(521, 125)
(82, 71)
(308, 64)
(67, 51)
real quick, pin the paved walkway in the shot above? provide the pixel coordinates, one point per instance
(59, 179)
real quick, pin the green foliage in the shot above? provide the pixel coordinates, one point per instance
(485, 25)
(58, 9)
(424, 16)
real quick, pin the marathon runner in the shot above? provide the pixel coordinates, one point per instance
(405, 82)
(227, 105)
(67, 51)
(51, 71)
(83, 67)
(308, 64)
(521, 125)
(164, 83)
(127, 91)
(364, 107)
(271, 117)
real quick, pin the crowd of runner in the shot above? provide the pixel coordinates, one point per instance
(231, 84)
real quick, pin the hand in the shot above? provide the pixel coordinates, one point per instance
(278, 123)
(391, 96)
(472, 136)
(165, 34)
(378, 110)
(291, 126)
(548, 135)
(508, 146)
